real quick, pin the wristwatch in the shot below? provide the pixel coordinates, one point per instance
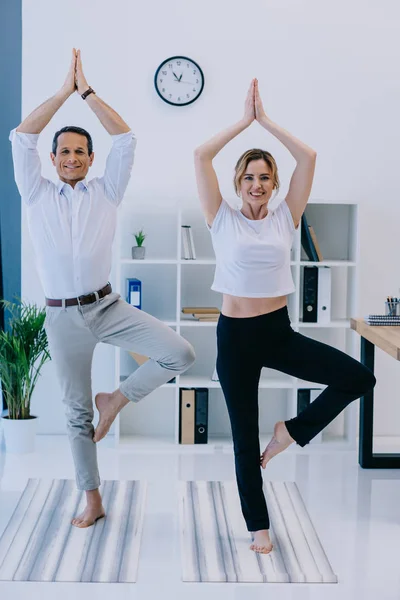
(88, 91)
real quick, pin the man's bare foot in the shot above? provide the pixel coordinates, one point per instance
(261, 542)
(280, 441)
(93, 512)
(108, 406)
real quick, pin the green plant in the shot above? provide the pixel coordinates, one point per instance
(23, 352)
(140, 237)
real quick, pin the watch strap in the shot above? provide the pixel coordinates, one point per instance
(88, 91)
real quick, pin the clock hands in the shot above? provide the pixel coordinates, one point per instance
(188, 82)
(179, 79)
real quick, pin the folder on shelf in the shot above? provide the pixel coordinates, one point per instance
(307, 241)
(315, 242)
(310, 294)
(134, 292)
(201, 416)
(186, 416)
(324, 295)
(188, 250)
(191, 244)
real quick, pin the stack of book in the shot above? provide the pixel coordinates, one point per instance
(382, 320)
(202, 313)
(188, 251)
(309, 241)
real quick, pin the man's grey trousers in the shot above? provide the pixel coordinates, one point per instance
(73, 334)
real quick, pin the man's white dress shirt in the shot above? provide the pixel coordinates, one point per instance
(72, 229)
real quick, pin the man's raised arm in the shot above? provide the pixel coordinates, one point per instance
(107, 116)
(41, 116)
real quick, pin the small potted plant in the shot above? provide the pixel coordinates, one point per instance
(139, 251)
(23, 352)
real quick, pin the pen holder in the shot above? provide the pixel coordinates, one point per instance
(392, 309)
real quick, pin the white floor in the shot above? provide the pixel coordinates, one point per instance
(356, 513)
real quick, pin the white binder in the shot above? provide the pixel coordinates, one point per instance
(324, 295)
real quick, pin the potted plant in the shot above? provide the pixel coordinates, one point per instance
(139, 251)
(23, 352)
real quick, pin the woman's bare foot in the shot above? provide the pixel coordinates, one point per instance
(93, 512)
(280, 441)
(89, 516)
(261, 542)
(108, 406)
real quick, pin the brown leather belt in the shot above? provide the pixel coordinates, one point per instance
(81, 300)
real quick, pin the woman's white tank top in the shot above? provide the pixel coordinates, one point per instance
(253, 257)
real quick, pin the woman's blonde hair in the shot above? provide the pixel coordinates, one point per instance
(246, 158)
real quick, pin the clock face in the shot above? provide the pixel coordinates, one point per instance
(179, 80)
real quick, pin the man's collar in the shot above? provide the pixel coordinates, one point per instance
(61, 184)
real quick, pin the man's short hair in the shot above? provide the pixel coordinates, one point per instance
(72, 129)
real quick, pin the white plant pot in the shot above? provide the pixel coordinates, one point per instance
(19, 434)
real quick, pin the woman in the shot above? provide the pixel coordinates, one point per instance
(252, 247)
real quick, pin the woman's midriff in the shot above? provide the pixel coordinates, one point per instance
(237, 307)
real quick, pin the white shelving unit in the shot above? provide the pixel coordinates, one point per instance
(169, 283)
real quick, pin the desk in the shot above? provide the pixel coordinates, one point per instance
(388, 340)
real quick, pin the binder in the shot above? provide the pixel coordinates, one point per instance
(193, 415)
(186, 416)
(310, 294)
(185, 243)
(324, 295)
(201, 420)
(188, 250)
(134, 292)
(191, 244)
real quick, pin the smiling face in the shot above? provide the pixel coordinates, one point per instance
(72, 159)
(257, 183)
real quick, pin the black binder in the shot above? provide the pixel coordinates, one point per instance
(310, 295)
(201, 419)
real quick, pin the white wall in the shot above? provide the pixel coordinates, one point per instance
(328, 72)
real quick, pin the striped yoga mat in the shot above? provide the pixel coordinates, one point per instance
(215, 542)
(40, 544)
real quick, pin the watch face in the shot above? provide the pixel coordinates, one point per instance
(179, 80)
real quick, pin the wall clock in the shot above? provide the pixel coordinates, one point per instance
(179, 80)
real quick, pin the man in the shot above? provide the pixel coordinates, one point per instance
(72, 225)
